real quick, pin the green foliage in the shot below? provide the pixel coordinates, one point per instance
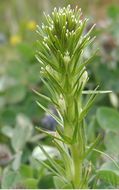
(24, 178)
(108, 119)
(10, 179)
(109, 173)
(111, 139)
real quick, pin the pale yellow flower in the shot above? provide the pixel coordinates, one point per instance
(31, 25)
(15, 39)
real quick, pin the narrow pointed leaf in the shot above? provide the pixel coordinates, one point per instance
(95, 92)
(52, 115)
(94, 144)
(54, 164)
(42, 96)
(49, 133)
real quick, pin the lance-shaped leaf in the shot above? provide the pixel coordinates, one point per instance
(87, 106)
(66, 158)
(50, 134)
(55, 82)
(88, 61)
(79, 31)
(52, 115)
(53, 163)
(94, 144)
(46, 61)
(96, 92)
(42, 96)
(65, 138)
(51, 90)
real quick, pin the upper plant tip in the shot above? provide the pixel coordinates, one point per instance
(94, 25)
(55, 9)
(44, 13)
(37, 26)
(69, 6)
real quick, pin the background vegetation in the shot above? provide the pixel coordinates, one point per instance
(19, 74)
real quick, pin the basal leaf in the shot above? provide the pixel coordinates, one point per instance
(108, 119)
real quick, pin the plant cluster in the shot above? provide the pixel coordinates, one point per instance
(61, 48)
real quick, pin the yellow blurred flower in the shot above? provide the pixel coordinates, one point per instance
(31, 25)
(15, 39)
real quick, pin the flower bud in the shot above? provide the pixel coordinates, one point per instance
(67, 59)
(85, 75)
(62, 104)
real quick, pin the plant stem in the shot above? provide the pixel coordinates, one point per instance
(76, 149)
(77, 165)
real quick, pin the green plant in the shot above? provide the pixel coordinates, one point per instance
(61, 47)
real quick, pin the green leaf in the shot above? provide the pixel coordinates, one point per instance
(15, 94)
(39, 155)
(110, 166)
(18, 141)
(26, 171)
(52, 115)
(54, 82)
(109, 173)
(8, 131)
(42, 153)
(51, 90)
(95, 92)
(65, 138)
(54, 164)
(59, 184)
(111, 142)
(106, 155)
(93, 145)
(8, 116)
(88, 61)
(108, 119)
(80, 30)
(109, 177)
(22, 132)
(10, 179)
(68, 186)
(49, 133)
(45, 60)
(30, 183)
(46, 182)
(63, 149)
(17, 161)
(88, 106)
(42, 96)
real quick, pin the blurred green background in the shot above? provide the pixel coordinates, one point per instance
(20, 74)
